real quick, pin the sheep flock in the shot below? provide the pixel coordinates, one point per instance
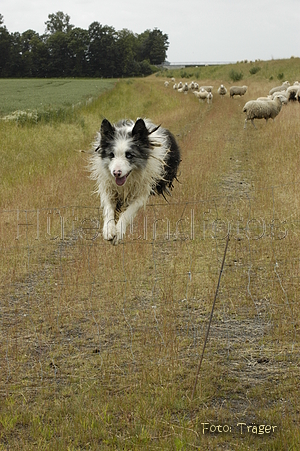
(266, 107)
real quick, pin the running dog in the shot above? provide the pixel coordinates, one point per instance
(131, 161)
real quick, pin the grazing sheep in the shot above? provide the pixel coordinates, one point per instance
(292, 92)
(209, 97)
(207, 88)
(222, 90)
(298, 95)
(283, 87)
(166, 84)
(184, 88)
(237, 91)
(265, 98)
(262, 109)
(201, 95)
(204, 95)
(283, 95)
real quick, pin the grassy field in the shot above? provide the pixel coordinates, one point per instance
(100, 345)
(45, 95)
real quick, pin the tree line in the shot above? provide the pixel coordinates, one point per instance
(68, 51)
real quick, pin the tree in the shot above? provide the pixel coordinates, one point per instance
(126, 54)
(153, 46)
(65, 50)
(59, 57)
(5, 50)
(102, 50)
(78, 45)
(58, 22)
(27, 43)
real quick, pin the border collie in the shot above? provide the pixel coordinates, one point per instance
(131, 161)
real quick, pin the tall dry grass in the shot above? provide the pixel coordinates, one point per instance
(100, 344)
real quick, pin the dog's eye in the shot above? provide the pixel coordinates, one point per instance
(129, 155)
(111, 155)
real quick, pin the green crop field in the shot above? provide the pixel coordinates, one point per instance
(44, 94)
(101, 344)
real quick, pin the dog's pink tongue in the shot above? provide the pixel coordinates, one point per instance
(120, 180)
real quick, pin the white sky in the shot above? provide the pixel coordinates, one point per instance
(198, 30)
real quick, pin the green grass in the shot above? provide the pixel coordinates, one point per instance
(101, 344)
(44, 95)
(273, 70)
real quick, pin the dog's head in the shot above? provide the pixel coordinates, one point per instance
(124, 147)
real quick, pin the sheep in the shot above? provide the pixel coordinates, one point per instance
(207, 88)
(283, 87)
(262, 109)
(265, 98)
(298, 95)
(283, 95)
(203, 94)
(184, 88)
(166, 84)
(209, 97)
(222, 90)
(237, 91)
(292, 91)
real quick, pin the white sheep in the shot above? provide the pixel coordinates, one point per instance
(166, 84)
(238, 91)
(222, 90)
(201, 95)
(207, 88)
(282, 87)
(292, 92)
(209, 97)
(265, 98)
(184, 88)
(298, 95)
(262, 109)
(284, 96)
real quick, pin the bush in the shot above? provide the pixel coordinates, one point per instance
(254, 70)
(280, 76)
(235, 76)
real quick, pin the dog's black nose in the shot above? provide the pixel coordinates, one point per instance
(117, 173)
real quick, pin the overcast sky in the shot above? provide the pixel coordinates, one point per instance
(198, 30)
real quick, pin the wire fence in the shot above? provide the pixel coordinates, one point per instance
(75, 308)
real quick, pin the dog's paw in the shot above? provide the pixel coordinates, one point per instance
(120, 232)
(109, 230)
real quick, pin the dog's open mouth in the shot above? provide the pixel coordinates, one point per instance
(121, 180)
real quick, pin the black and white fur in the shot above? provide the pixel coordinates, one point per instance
(132, 160)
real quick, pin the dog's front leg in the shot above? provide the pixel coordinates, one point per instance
(109, 225)
(126, 217)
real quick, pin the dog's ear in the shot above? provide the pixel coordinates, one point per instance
(107, 129)
(140, 130)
